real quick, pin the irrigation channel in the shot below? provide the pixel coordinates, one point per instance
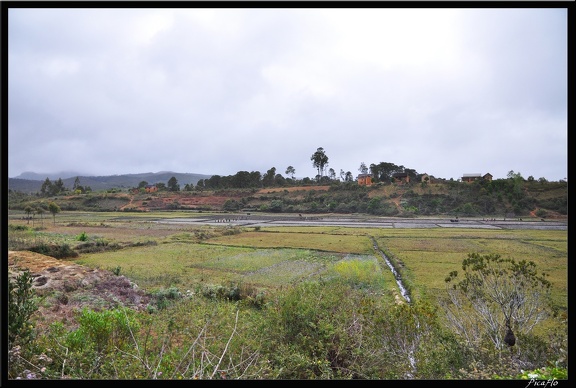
(397, 276)
(404, 293)
(376, 222)
(252, 220)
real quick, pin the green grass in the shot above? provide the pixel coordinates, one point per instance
(276, 256)
(429, 255)
(186, 265)
(318, 241)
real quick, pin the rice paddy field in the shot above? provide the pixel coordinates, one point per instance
(159, 255)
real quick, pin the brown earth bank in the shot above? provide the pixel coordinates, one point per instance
(293, 189)
(68, 287)
(186, 200)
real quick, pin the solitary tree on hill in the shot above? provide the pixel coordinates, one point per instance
(290, 171)
(319, 160)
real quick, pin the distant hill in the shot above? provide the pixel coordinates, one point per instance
(34, 176)
(33, 181)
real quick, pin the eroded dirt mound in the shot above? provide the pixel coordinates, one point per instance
(67, 286)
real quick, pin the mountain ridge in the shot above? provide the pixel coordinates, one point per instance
(101, 182)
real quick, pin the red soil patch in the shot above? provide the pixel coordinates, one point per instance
(184, 201)
(166, 200)
(292, 189)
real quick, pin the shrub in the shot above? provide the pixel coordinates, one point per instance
(21, 306)
(82, 237)
(545, 373)
(116, 270)
(104, 329)
(164, 297)
(13, 227)
(58, 251)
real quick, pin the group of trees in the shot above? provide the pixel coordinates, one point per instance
(40, 209)
(255, 179)
(79, 189)
(50, 189)
(381, 172)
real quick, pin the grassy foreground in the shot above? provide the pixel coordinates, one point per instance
(321, 285)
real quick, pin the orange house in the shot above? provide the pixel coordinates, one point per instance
(150, 188)
(476, 177)
(470, 177)
(364, 179)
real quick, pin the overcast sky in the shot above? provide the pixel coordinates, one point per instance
(216, 91)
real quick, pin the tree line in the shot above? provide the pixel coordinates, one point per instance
(382, 172)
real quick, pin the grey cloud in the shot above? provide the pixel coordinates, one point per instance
(252, 89)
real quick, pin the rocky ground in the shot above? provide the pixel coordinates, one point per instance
(66, 287)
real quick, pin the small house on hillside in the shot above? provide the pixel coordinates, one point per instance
(425, 178)
(475, 177)
(150, 188)
(364, 179)
(401, 177)
(471, 177)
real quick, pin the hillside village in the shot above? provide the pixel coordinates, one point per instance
(399, 194)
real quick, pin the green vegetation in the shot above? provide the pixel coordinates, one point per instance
(21, 305)
(427, 256)
(512, 197)
(297, 303)
(501, 294)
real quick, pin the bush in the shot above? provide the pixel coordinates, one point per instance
(13, 227)
(99, 245)
(82, 237)
(103, 330)
(58, 251)
(547, 374)
(21, 306)
(164, 297)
